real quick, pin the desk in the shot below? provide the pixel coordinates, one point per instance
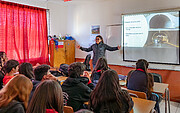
(160, 87)
(142, 105)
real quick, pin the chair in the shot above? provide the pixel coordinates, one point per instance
(139, 94)
(68, 109)
(157, 77)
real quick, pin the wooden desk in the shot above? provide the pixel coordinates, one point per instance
(160, 87)
(142, 105)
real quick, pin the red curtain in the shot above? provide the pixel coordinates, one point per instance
(23, 33)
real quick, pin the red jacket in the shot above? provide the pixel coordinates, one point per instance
(6, 79)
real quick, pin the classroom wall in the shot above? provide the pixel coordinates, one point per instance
(81, 15)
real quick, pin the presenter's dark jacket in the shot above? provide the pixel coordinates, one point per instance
(78, 92)
(13, 107)
(98, 50)
(137, 80)
(126, 100)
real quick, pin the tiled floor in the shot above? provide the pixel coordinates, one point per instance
(174, 107)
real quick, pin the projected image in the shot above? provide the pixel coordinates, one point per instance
(156, 33)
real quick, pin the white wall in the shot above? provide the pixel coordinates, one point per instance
(58, 18)
(81, 15)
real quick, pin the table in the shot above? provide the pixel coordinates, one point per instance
(142, 105)
(161, 88)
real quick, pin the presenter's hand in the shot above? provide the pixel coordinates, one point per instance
(119, 47)
(78, 46)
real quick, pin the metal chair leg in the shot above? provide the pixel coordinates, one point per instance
(166, 101)
(168, 94)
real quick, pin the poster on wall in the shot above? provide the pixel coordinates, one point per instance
(95, 29)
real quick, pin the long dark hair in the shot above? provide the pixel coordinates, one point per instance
(143, 64)
(48, 95)
(27, 70)
(100, 38)
(106, 92)
(100, 65)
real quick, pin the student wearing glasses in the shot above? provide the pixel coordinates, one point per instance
(99, 49)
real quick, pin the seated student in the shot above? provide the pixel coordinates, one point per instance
(2, 73)
(4, 56)
(27, 70)
(11, 68)
(141, 80)
(47, 98)
(3, 60)
(15, 95)
(100, 67)
(108, 97)
(76, 86)
(41, 72)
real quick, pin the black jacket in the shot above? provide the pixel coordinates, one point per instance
(77, 90)
(98, 50)
(13, 107)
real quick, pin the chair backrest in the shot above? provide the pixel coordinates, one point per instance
(139, 94)
(133, 95)
(68, 109)
(157, 77)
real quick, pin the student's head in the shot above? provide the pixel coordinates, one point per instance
(76, 69)
(18, 88)
(99, 39)
(11, 66)
(40, 71)
(107, 91)
(64, 69)
(1, 62)
(101, 64)
(27, 70)
(48, 95)
(142, 64)
(4, 56)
